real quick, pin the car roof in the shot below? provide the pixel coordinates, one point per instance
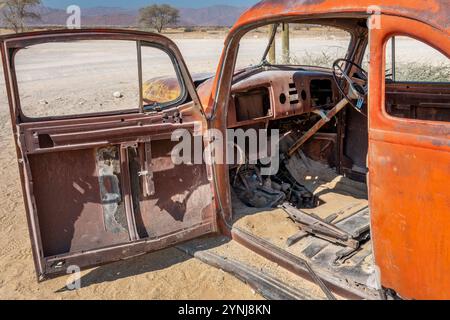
(433, 12)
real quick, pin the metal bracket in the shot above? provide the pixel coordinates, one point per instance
(320, 228)
(147, 173)
(322, 114)
(127, 145)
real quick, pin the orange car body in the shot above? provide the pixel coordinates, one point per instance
(409, 160)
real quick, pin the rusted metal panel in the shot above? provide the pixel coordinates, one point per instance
(298, 266)
(95, 210)
(75, 171)
(127, 192)
(402, 101)
(69, 203)
(408, 181)
(434, 12)
(182, 196)
(410, 219)
(109, 172)
(429, 22)
(147, 170)
(121, 252)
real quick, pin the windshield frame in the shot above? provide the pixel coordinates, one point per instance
(264, 62)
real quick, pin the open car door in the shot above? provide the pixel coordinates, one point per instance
(94, 145)
(409, 161)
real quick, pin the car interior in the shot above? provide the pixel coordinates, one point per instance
(316, 207)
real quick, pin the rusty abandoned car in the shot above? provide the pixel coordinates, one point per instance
(363, 183)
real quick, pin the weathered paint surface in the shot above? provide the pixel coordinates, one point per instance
(434, 12)
(409, 163)
(409, 159)
(76, 173)
(108, 168)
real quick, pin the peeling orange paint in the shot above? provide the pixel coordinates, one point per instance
(435, 12)
(409, 160)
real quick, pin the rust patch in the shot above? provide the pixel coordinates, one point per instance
(108, 166)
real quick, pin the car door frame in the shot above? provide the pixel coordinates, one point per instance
(144, 124)
(408, 259)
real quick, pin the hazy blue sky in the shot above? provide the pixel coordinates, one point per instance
(140, 3)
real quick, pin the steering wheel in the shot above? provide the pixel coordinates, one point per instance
(358, 83)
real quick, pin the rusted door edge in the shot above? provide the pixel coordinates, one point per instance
(295, 265)
(98, 257)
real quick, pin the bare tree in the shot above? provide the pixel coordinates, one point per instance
(16, 13)
(158, 16)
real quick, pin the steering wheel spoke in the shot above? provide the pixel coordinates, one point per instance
(357, 82)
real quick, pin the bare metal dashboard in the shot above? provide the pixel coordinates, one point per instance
(276, 94)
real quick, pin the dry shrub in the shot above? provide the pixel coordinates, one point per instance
(414, 71)
(423, 72)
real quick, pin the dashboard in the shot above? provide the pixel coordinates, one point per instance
(276, 94)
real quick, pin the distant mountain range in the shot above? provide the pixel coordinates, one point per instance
(220, 15)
